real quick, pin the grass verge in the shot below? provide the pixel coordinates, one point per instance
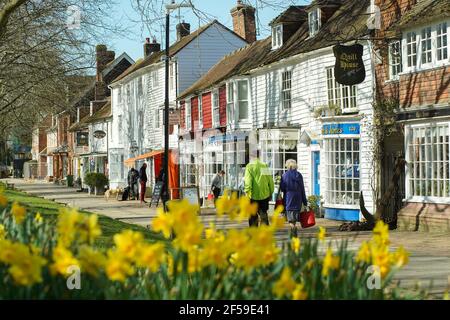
(50, 209)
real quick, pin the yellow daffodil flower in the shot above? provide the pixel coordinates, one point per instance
(163, 223)
(295, 245)
(329, 262)
(236, 240)
(151, 256)
(381, 233)
(62, 260)
(400, 257)
(38, 218)
(261, 237)
(2, 232)
(364, 253)
(18, 212)
(299, 293)
(188, 236)
(28, 269)
(321, 234)
(128, 243)
(285, 285)
(118, 268)
(91, 260)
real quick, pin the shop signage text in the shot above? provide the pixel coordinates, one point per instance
(82, 139)
(349, 68)
(341, 128)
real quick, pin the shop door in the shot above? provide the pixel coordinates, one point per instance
(316, 173)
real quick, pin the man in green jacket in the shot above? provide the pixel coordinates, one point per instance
(259, 188)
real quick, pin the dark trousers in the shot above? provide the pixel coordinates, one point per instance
(143, 187)
(216, 193)
(263, 207)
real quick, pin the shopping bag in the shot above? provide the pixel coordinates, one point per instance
(210, 196)
(307, 218)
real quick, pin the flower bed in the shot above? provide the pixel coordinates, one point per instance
(40, 261)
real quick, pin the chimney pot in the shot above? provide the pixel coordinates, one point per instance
(244, 21)
(150, 48)
(183, 30)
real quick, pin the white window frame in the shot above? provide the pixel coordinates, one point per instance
(188, 114)
(230, 87)
(395, 60)
(200, 111)
(442, 32)
(427, 166)
(314, 25)
(412, 49)
(238, 102)
(286, 89)
(426, 47)
(435, 63)
(215, 108)
(333, 182)
(346, 97)
(277, 36)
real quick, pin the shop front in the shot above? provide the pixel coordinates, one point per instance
(341, 176)
(213, 160)
(278, 146)
(235, 158)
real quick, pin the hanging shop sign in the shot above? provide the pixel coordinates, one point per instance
(82, 139)
(99, 134)
(340, 128)
(349, 68)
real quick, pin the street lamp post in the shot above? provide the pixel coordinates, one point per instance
(169, 8)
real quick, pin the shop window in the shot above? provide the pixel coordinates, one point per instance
(242, 99)
(277, 36)
(342, 171)
(428, 161)
(411, 49)
(426, 46)
(442, 46)
(286, 85)
(275, 153)
(395, 60)
(235, 159)
(230, 102)
(340, 95)
(216, 108)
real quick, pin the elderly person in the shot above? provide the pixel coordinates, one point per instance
(294, 194)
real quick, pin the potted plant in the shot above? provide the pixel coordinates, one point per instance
(100, 182)
(89, 180)
(314, 202)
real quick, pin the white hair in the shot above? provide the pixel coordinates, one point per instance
(291, 164)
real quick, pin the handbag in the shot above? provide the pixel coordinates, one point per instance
(279, 202)
(307, 218)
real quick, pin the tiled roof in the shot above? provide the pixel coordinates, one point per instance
(173, 50)
(347, 23)
(102, 114)
(293, 13)
(423, 12)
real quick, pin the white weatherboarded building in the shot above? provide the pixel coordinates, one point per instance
(138, 96)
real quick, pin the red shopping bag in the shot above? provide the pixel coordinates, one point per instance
(278, 202)
(210, 196)
(307, 218)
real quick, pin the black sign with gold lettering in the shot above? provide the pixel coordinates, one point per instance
(349, 69)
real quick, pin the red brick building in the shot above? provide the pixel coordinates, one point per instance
(413, 71)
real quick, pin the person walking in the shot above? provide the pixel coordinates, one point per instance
(216, 185)
(293, 190)
(259, 187)
(135, 184)
(143, 180)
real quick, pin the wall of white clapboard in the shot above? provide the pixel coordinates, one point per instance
(309, 91)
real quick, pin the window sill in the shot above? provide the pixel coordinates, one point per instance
(428, 200)
(393, 80)
(341, 206)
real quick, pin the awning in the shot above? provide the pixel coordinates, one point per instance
(308, 136)
(131, 161)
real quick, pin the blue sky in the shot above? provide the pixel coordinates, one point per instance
(216, 9)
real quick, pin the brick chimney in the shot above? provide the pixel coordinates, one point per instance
(152, 47)
(183, 30)
(244, 21)
(103, 57)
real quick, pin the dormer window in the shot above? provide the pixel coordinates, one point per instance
(277, 36)
(314, 22)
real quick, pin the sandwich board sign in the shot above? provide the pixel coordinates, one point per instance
(156, 195)
(191, 194)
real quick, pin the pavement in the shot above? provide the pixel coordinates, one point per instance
(429, 252)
